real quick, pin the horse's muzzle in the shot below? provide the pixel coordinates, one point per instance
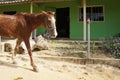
(54, 35)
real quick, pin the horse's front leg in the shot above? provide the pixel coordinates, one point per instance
(27, 43)
(18, 42)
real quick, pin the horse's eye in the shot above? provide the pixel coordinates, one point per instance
(49, 21)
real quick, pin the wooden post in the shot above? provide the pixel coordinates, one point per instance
(31, 11)
(88, 22)
(31, 7)
(0, 45)
(84, 19)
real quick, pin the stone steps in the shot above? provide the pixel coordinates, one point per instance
(95, 45)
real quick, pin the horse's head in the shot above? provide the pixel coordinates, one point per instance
(50, 24)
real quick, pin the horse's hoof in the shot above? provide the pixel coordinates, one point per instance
(35, 69)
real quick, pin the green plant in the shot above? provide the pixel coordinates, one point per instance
(113, 46)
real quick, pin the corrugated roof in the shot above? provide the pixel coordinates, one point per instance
(12, 1)
(20, 1)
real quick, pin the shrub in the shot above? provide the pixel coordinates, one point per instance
(113, 46)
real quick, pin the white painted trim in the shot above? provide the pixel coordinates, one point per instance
(89, 54)
(84, 19)
(31, 11)
(31, 7)
(0, 45)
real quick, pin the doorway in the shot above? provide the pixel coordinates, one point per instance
(9, 12)
(63, 22)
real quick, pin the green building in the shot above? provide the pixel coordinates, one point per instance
(71, 15)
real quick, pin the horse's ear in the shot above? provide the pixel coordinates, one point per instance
(50, 12)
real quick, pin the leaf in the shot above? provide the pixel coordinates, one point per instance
(18, 78)
(24, 65)
(85, 73)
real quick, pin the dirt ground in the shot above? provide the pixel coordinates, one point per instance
(54, 70)
(73, 48)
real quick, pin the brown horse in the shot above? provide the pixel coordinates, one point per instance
(21, 25)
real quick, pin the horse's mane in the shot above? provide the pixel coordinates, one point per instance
(22, 13)
(48, 12)
(32, 14)
(43, 12)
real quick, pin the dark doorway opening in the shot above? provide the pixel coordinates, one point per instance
(63, 22)
(9, 12)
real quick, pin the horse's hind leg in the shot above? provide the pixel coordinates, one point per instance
(27, 43)
(18, 42)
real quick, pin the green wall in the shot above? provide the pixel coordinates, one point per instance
(76, 29)
(109, 27)
(17, 8)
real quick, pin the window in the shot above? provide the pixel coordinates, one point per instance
(95, 13)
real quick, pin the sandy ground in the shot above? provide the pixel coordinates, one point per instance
(53, 70)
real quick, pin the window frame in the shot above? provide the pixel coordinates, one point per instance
(86, 13)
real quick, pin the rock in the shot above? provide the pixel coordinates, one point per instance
(23, 47)
(7, 47)
(41, 43)
(10, 45)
